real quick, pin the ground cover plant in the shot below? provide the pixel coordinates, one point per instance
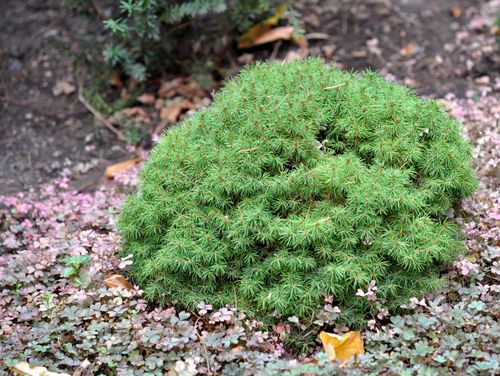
(300, 181)
(49, 319)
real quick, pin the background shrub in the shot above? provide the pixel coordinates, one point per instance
(300, 181)
(148, 35)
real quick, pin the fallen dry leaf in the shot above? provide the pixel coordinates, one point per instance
(134, 112)
(282, 329)
(116, 79)
(408, 50)
(121, 166)
(63, 87)
(170, 113)
(247, 39)
(456, 12)
(495, 31)
(147, 99)
(358, 54)
(272, 35)
(174, 110)
(186, 88)
(116, 281)
(328, 50)
(160, 127)
(159, 104)
(24, 369)
(83, 369)
(342, 347)
(168, 88)
(298, 54)
(190, 90)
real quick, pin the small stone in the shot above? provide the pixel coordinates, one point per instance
(15, 66)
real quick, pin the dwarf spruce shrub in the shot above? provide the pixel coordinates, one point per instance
(300, 181)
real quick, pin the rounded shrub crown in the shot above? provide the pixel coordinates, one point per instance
(300, 181)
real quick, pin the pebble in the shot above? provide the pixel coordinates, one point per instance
(15, 66)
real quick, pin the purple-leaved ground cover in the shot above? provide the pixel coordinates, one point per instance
(59, 322)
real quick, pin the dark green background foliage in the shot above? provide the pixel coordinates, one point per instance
(300, 181)
(149, 33)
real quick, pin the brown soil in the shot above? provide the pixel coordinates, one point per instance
(413, 36)
(40, 133)
(414, 41)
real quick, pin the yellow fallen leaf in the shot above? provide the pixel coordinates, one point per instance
(272, 21)
(24, 369)
(342, 347)
(247, 39)
(118, 280)
(456, 12)
(122, 166)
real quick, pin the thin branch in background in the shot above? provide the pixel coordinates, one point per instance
(98, 115)
(276, 50)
